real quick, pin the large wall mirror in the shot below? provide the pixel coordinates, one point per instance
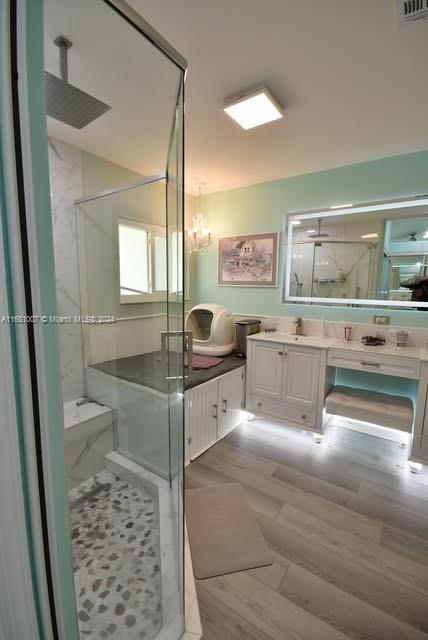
(365, 255)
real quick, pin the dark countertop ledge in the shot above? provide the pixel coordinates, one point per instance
(145, 369)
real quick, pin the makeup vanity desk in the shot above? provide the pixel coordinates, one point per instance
(289, 377)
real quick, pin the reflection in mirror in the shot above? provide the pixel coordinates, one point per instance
(406, 257)
(333, 259)
(362, 256)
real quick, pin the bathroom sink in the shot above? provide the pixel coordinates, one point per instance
(290, 338)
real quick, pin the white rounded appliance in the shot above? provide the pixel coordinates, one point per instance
(213, 329)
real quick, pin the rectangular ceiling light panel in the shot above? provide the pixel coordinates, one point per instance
(254, 109)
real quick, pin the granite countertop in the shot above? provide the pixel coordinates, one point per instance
(145, 370)
(321, 342)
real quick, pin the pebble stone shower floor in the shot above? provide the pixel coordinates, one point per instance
(116, 560)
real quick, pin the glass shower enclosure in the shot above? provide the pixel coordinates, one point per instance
(118, 190)
(133, 364)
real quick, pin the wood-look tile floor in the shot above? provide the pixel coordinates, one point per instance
(348, 525)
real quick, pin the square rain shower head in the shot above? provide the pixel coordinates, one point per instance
(71, 105)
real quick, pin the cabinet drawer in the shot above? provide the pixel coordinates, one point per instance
(282, 410)
(376, 363)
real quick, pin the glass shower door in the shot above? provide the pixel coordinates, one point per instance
(176, 336)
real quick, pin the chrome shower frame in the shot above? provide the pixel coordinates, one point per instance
(134, 18)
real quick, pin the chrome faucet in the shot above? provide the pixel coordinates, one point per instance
(298, 327)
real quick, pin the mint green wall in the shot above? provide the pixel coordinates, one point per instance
(376, 382)
(263, 207)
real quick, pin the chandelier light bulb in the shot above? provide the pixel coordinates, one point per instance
(200, 235)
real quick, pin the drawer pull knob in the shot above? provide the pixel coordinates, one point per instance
(303, 416)
(259, 404)
(370, 364)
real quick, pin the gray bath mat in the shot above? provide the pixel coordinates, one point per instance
(224, 534)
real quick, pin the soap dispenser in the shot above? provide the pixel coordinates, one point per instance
(298, 327)
(379, 330)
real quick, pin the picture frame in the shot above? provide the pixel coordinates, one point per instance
(249, 260)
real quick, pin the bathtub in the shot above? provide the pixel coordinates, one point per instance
(88, 439)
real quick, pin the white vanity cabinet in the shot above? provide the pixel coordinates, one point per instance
(231, 401)
(212, 410)
(284, 381)
(201, 418)
(289, 378)
(300, 376)
(266, 367)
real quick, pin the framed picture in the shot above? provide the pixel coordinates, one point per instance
(248, 261)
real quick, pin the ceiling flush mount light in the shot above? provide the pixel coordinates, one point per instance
(296, 222)
(370, 235)
(200, 237)
(254, 109)
(342, 206)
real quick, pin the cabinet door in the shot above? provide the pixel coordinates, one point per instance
(230, 401)
(266, 369)
(300, 378)
(202, 414)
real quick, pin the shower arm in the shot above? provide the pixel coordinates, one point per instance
(64, 45)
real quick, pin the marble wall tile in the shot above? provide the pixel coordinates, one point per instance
(65, 172)
(124, 338)
(418, 336)
(141, 419)
(86, 446)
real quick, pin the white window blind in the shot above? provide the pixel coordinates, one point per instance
(133, 260)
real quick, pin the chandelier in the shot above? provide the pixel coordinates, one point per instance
(199, 236)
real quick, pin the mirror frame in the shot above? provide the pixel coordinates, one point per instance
(342, 210)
